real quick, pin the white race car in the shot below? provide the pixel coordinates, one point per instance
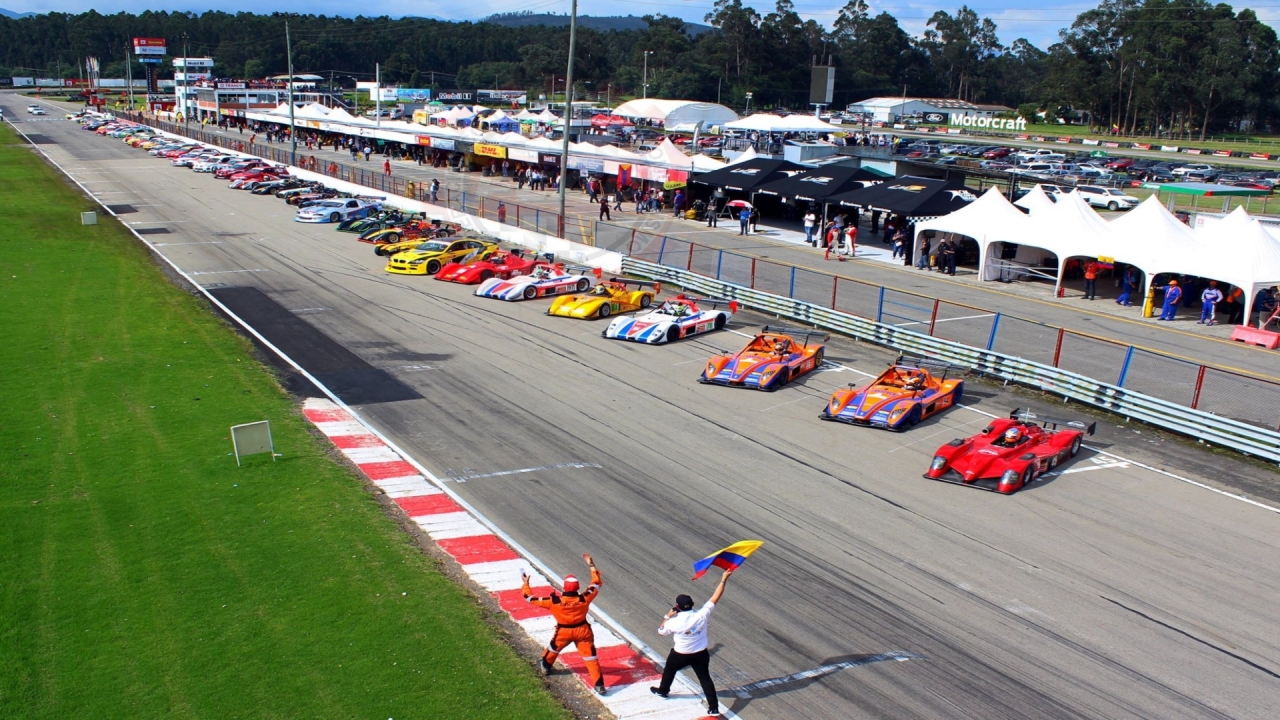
(36, 110)
(543, 282)
(337, 210)
(675, 318)
(209, 164)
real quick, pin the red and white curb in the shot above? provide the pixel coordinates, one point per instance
(494, 565)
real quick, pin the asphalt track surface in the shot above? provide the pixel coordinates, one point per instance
(1110, 591)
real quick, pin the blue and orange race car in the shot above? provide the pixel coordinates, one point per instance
(772, 359)
(911, 390)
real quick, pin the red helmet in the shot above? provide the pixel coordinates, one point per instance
(570, 584)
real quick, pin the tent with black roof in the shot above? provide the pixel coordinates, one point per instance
(816, 184)
(914, 198)
(746, 176)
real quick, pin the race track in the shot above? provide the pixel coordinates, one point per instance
(1109, 591)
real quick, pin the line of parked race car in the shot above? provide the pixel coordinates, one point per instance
(1009, 454)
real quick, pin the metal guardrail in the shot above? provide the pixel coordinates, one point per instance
(1183, 420)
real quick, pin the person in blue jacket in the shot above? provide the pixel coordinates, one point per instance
(1172, 294)
(1209, 300)
(1127, 286)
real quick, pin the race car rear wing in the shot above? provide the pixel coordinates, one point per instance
(797, 333)
(657, 287)
(1053, 422)
(932, 364)
(710, 302)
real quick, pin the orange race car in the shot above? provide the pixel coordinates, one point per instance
(911, 390)
(773, 358)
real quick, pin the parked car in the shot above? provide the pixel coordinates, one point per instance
(1121, 163)
(1109, 198)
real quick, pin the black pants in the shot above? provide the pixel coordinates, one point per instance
(698, 661)
(1090, 288)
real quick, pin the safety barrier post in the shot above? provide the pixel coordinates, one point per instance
(791, 291)
(689, 265)
(719, 262)
(631, 245)
(753, 273)
(1124, 369)
(879, 306)
(662, 248)
(1057, 350)
(481, 213)
(835, 285)
(933, 319)
(1195, 398)
(537, 219)
(559, 226)
(518, 217)
(995, 326)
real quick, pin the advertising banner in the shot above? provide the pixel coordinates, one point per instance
(501, 96)
(530, 156)
(464, 146)
(148, 46)
(424, 140)
(587, 164)
(150, 59)
(454, 96)
(548, 159)
(493, 151)
(443, 143)
(230, 85)
(413, 95)
(23, 82)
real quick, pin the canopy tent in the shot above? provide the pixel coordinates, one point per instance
(750, 154)
(603, 121)
(705, 164)
(501, 122)
(818, 184)
(676, 112)
(668, 154)
(1036, 200)
(548, 117)
(766, 122)
(915, 198)
(990, 219)
(524, 116)
(1239, 250)
(749, 175)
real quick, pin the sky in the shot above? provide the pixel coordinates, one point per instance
(1029, 19)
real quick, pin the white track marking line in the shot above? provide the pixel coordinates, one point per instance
(206, 242)
(943, 431)
(771, 407)
(225, 272)
(561, 466)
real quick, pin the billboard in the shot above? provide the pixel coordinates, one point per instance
(231, 86)
(504, 96)
(193, 62)
(148, 46)
(24, 81)
(412, 95)
(454, 96)
(152, 59)
(822, 84)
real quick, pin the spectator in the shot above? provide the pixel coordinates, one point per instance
(1209, 300)
(948, 249)
(810, 222)
(1235, 306)
(755, 220)
(899, 244)
(923, 262)
(604, 209)
(713, 208)
(744, 217)
(502, 213)
(1091, 280)
(386, 167)
(368, 151)
(677, 202)
(435, 190)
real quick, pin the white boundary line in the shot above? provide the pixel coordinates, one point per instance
(542, 567)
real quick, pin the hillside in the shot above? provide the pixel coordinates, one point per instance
(14, 15)
(602, 23)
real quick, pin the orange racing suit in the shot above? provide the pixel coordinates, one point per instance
(570, 611)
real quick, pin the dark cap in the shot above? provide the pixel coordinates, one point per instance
(684, 602)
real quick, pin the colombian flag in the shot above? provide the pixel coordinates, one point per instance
(729, 558)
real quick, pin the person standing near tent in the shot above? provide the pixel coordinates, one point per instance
(810, 222)
(1235, 306)
(677, 203)
(435, 190)
(713, 208)
(948, 249)
(570, 611)
(850, 240)
(1172, 294)
(922, 262)
(1127, 285)
(604, 209)
(688, 631)
(386, 167)
(1091, 280)
(744, 217)
(1209, 300)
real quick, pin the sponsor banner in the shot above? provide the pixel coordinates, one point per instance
(454, 96)
(1142, 146)
(424, 140)
(1038, 138)
(1111, 144)
(898, 126)
(1192, 151)
(1222, 153)
(313, 124)
(1088, 141)
(48, 82)
(231, 86)
(148, 46)
(464, 146)
(580, 163)
(548, 159)
(674, 184)
(934, 118)
(953, 131)
(443, 143)
(150, 60)
(1169, 148)
(386, 94)
(193, 62)
(1063, 141)
(493, 151)
(365, 85)
(6, 82)
(678, 175)
(1020, 137)
(413, 95)
(515, 96)
(989, 123)
(23, 82)
(1098, 153)
(647, 172)
(529, 156)
(1259, 156)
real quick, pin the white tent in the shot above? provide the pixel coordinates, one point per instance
(525, 115)
(668, 154)
(750, 154)
(1036, 200)
(1240, 251)
(988, 220)
(676, 112)
(765, 122)
(703, 163)
(1155, 241)
(546, 116)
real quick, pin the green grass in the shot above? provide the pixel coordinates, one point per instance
(142, 574)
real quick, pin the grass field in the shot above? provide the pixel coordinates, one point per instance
(142, 575)
(1242, 143)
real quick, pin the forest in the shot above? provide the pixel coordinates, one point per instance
(1177, 67)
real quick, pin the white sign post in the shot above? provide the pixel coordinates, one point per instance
(252, 439)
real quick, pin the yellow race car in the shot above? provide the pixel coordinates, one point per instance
(428, 257)
(609, 297)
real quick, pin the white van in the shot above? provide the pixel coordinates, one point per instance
(1039, 155)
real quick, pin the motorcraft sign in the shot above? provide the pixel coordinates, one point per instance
(989, 122)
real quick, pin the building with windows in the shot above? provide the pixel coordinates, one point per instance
(926, 110)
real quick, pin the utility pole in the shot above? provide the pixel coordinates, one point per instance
(293, 128)
(377, 92)
(647, 53)
(128, 73)
(568, 109)
(186, 83)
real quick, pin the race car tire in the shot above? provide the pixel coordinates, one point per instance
(818, 357)
(433, 267)
(1027, 475)
(783, 377)
(957, 394)
(1075, 447)
(604, 311)
(530, 292)
(335, 217)
(485, 275)
(720, 322)
(913, 417)
(584, 285)
(673, 333)
(645, 301)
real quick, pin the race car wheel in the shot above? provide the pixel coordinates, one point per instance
(584, 285)
(720, 322)
(645, 301)
(1075, 447)
(485, 275)
(604, 311)
(1027, 476)
(818, 357)
(530, 292)
(783, 377)
(1053, 462)
(334, 217)
(673, 333)
(913, 417)
(393, 237)
(433, 267)
(1113, 206)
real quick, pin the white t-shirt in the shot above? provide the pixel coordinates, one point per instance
(689, 629)
(809, 220)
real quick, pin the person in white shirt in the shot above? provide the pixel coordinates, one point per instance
(810, 224)
(688, 629)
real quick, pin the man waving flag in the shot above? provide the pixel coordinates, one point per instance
(728, 559)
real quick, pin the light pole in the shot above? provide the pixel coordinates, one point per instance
(568, 109)
(186, 85)
(293, 128)
(647, 53)
(748, 110)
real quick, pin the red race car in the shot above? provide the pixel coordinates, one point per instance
(505, 265)
(1010, 453)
